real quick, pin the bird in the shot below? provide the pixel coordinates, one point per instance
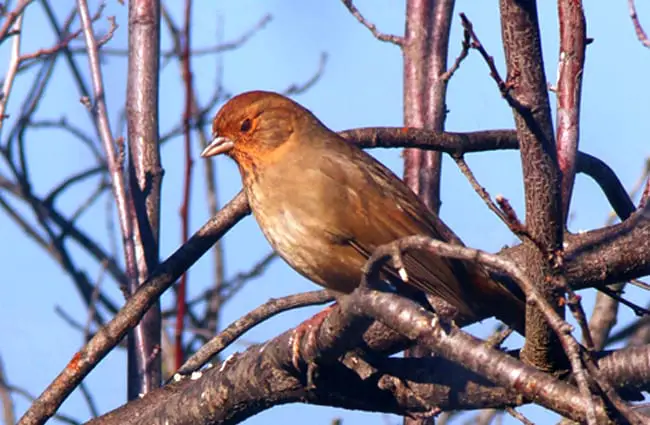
(325, 205)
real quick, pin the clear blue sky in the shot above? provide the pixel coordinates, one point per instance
(361, 86)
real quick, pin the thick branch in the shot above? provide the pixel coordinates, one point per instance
(573, 35)
(531, 109)
(261, 377)
(425, 47)
(457, 144)
(145, 180)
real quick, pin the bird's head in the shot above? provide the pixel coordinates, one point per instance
(251, 126)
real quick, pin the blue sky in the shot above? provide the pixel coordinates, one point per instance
(361, 86)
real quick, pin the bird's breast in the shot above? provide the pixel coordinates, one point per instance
(287, 230)
(297, 234)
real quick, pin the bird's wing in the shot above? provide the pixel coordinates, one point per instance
(385, 210)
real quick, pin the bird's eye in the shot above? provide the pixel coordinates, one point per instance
(245, 125)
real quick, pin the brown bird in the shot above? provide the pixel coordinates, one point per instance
(325, 205)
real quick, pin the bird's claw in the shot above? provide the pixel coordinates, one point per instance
(310, 328)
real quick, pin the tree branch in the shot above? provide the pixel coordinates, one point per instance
(145, 185)
(106, 338)
(573, 34)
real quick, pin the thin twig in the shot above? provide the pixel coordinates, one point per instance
(47, 51)
(504, 86)
(90, 401)
(92, 305)
(505, 213)
(232, 286)
(75, 178)
(114, 164)
(30, 398)
(84, 205)
(184, 211)
(63, 124)
(638, 28)
(397, 40)
(464, 51)
(14, 61)
(574, 302)
(638, 310)
(253, 318)
(11, 18)
(518, 415)
(295, 89)
(8, 408)
(197, 122)
(26, 227)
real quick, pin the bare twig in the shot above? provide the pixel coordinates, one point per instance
(233, 285)
(11, 18)
(644, 179)
(603, 318)
(67, 227)
(184, 211)
(87, 203)
(75, 178)
(196, 52)
(497, 338)
(638, 310)
(483, 417)
(8, 411)
(504, 86)
(605, 311)
(231, 45)
(14, 61)
(29, 397)
(90, 401)
(114, 165)
(252, 318)
(397, 40)
(54, 49)
(110, 335)
(64, 124)
(67, 318)
(212, 315)
(26, 227)
(92, 305)
(518, 415)
(606, 178)
(505, 213)
(425, 48)
(197, 122)
(640, 32)
(295, 89)
(464, 51)
(574, 302)
(640, 284)
(569, 91)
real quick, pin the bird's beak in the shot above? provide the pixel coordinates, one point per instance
(218, 146)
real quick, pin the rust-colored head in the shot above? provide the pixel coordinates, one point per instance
(252, 125)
